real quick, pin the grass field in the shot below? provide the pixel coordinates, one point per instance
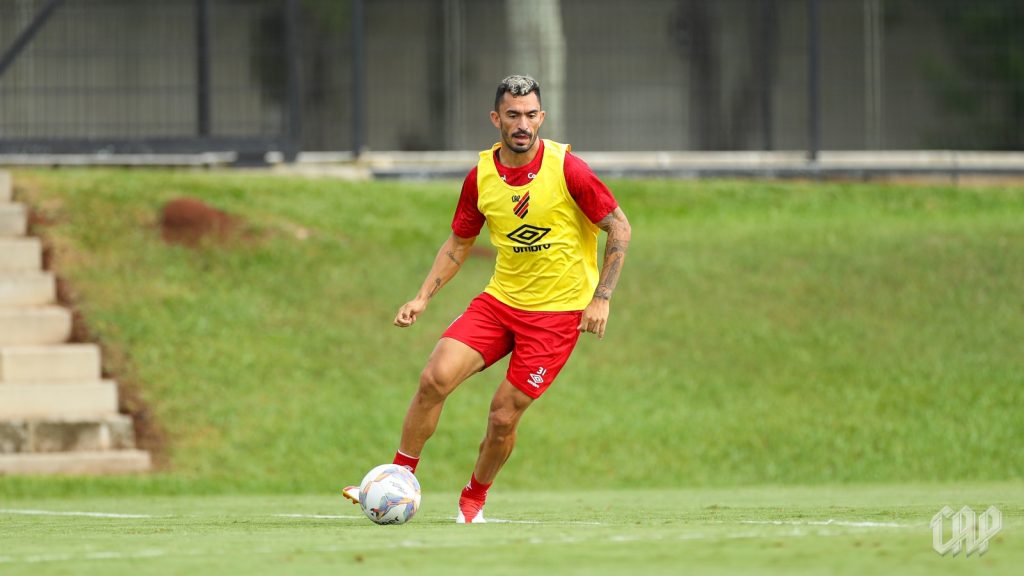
(776, 530)
(796, 378)
(762, 333)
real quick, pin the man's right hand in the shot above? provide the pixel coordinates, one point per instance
(408, 312)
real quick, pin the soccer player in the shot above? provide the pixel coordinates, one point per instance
(544, 209)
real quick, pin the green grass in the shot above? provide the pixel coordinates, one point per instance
(763, 333)
(869, 529)
(796, 378)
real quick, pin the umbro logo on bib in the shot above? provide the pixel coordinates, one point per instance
(528, 236)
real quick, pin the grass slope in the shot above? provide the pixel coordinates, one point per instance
(778, 530)
(762, 333)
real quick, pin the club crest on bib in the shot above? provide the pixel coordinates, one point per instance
(522, 205)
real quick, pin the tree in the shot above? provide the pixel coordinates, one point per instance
(537, 48)
(724, 115)
(979, 85)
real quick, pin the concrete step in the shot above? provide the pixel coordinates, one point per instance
(21, 254)
(76, 463)
(13, 219)
(50, 400)
(67, 435)
(31, 326)
(50, 364)
(6, 188)
(27, 288)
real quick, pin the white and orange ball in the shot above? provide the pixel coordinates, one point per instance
(389, 494)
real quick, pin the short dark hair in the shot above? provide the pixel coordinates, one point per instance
(516, 85)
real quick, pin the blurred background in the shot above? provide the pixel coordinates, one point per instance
(117, 76)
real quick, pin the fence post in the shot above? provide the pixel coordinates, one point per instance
(451, 63)
(294, 132)
(768, 24)
(358, 77)
(813, 80)
(203, 67)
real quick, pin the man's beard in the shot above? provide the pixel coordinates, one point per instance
(520, 149)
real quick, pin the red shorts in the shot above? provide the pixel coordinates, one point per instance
(540, 342)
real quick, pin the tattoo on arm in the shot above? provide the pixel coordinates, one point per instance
(609, 275)
(436, 288)
(617, 227)
(609, 278)
(451, 256)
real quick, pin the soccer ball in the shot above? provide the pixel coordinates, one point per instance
(389, 494)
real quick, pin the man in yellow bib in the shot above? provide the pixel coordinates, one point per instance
(544, 209)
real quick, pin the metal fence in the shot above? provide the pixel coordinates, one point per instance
(335, 75)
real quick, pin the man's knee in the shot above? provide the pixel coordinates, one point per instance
(502, 421)
(449, 364)
(436, 383)
(507, 409)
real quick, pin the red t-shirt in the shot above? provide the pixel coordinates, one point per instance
(590, 194)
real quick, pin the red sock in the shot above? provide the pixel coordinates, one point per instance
(475, 490)
(409, 462)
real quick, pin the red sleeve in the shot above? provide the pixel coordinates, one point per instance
(591, 195)
(468, 219)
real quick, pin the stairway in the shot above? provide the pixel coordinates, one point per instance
(57, 414)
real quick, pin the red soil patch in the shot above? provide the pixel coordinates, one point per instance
(189, 221)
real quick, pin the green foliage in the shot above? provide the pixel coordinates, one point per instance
(762, 333)
(979, 82)
(269, 61)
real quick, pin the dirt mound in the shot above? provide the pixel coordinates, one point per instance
(190, 221)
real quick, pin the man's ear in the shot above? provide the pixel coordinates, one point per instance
(495, 120)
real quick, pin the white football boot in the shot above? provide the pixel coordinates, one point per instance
(352, 493)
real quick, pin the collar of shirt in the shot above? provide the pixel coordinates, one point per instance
(523, 174)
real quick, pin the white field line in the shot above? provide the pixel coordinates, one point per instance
(831, 522)
(319, 516)
(489, 520)
(547, 522)
(47, 558)
(86, 514)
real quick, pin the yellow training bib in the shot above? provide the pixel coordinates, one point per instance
(547, 247)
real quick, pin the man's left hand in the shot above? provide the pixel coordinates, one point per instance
(595, 317)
